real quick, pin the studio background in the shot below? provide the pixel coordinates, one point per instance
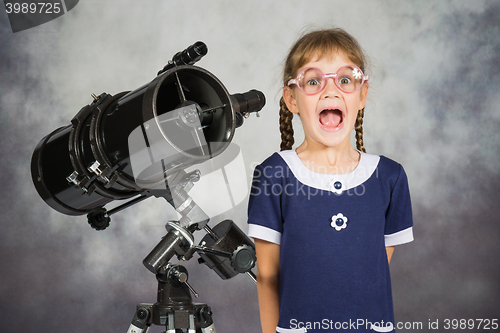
(433, 106)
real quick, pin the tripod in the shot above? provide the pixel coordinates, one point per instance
(174, 308)
(225, 249)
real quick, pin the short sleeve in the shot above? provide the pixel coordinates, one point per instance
(399, 218)
(264, 208)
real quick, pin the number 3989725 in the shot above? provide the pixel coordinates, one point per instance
(33, 8)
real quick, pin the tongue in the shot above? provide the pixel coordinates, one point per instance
(330, 118)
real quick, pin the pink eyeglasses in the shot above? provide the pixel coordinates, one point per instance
(312, 80)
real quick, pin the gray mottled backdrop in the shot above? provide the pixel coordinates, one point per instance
(433, 106)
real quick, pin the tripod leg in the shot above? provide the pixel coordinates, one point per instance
(140, 322)
(170, 324)
(192, 328)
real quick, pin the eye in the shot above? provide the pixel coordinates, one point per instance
(313, 82)
(344, 80)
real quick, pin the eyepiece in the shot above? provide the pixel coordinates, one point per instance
(251, 101)
(189, 56)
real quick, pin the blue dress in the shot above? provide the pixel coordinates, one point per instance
(332, 230)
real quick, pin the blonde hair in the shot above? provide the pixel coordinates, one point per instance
(319, 43)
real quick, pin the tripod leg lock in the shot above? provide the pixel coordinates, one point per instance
(204, 316)
(140, 322)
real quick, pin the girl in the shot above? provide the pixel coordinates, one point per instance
(326, 217)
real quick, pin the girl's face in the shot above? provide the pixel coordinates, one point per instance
(328, 117)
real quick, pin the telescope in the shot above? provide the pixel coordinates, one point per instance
(137, 144)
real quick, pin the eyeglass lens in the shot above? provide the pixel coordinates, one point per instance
(348, 79)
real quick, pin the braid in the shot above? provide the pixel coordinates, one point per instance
(286, 128)
(359, 130)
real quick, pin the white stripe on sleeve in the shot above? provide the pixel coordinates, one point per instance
(400, 237)
(264, 233)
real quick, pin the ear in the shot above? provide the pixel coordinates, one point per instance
(290, 101)
(364, 94)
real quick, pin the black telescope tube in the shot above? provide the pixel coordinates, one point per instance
(80, 168)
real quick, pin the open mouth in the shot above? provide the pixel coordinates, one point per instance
(331, 119)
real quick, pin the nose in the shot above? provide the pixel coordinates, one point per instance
(330, 90)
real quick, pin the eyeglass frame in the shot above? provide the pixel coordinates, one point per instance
(326, 76)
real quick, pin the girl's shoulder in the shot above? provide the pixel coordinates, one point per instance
(389, 163)
(274, 168)
(392, 171)
(276, 159)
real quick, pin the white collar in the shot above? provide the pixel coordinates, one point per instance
(330, 182)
